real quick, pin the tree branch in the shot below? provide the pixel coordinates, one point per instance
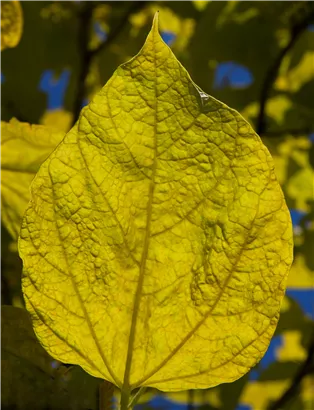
(190, 405)
(272, 73)
(282, 133)
(87, 55)
(305, 369)
(135, 7)
(106, 394)
(6, 298)
(85, 21)
(14, 111)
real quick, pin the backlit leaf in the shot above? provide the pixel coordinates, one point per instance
(24, 148)
(293, 80)
(300, 187)
(11, 24)
(291, 348)
(200, 5)
(258, 395)
(178, 29)
(300, 275)
(58, 119)
(157, 242)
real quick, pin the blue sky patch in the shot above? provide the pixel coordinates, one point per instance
(233, 75)
(54, 364)
(84, 102)
(161, 402)
(54, 88)
(296, 216)
(100, 32)
(305, 299)
(243, 407)
(168, 37)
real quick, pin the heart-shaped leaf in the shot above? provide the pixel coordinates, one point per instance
(157, 242)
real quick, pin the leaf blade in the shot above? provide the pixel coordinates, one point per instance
(167, 224)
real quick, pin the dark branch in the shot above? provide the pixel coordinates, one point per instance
(306, 368)
(105, 395)
(14, 111)
(190, 400)
(135, 7)
(85, 21)
(272, 73)
(87, 55)
(282, 133)
(6, 298)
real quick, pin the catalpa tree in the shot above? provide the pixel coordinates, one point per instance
(155, 238)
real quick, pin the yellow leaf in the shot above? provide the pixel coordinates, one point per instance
(24, 147)
(58, 119)
(286, 152)
(157, 243)
(257, 395)
(56, 12)
(232, 13)
(307, 391)
(182, 28)
(200, 5)
(11, 24)
(293, 79)
(276, 108)
(300, 187)
(300, 274)
(292, 348)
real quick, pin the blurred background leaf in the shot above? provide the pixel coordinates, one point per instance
(33, 379)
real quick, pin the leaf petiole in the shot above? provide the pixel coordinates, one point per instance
(136, 397)
(127, 402)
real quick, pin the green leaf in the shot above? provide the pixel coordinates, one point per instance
(29, 379)
(157, 243)
(24, 148)
(24, 363)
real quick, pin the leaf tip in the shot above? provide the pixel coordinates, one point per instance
(154, 36)
(155, 21)
(155, 26)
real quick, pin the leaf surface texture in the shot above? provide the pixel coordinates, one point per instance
(157, 243)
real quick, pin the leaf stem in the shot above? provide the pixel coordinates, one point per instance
(124, 401)
(136, 396)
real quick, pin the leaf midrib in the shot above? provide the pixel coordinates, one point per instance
(139, 289)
